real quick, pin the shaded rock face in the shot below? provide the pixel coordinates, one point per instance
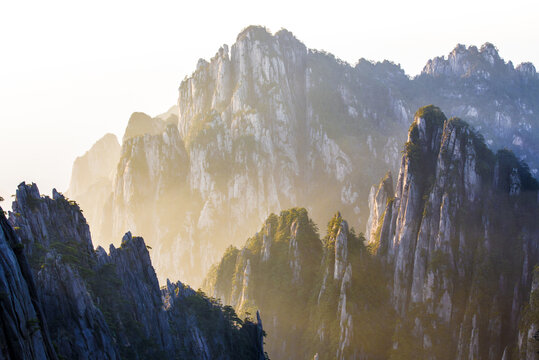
(269, 124)
(109, 306)
(467, 62)
(77, 326)
(23, 330)
(141, 314)
(490, 94)
(378, 199)
(57, 243)
(460, 243)
(179, 298)
(528, 337)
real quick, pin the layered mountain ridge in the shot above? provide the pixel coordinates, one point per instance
(447, 272)
(88, 304)
(269, 124)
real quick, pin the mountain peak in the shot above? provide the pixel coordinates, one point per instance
(527, 69)
(254, 32)
(96, 164)
(490, 53)
(141, 124)
(262, 34)
(428, 124)
(466, 61)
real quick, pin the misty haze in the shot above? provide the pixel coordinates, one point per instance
(279, 202)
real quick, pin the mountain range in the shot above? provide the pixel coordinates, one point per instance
(269, 124)
(62, 299)
(431, 246)
(447, 273)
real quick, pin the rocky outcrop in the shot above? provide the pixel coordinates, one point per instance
(467, 62)
(142, 124)
(456, 215)
(152, 197)
(528, 337)
(179, 300)
(138, 283)
(332, 293)
(447, 275)
(23, 331)
(110, 306)
(265, 124)
(268, 124)
(478, 86)
(378, 199)
(57, 242)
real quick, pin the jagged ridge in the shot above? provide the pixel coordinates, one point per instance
(109, 306)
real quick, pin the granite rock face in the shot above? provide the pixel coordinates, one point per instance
(333, 301)
(107, 306)
(378, 199)
(447, 274)
(528, 337)
(57, 243)
(268, 124)
(255, 125)
(460, 243)
(493, 96)
(23, 333)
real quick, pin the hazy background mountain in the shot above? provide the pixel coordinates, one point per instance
(66, 81)
(269, 124)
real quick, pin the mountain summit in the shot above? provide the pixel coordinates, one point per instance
(268, 124)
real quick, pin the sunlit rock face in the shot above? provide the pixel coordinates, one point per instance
(264, 125)
(268, 124)
(319, 296)
(378, 199)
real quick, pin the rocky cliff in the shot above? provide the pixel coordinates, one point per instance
(460, 240)
(528, 337)
(23, 331)
(107, 306)
(446, 274)
(268, 124)
(332, 298)
(495, 97)
(57, 243)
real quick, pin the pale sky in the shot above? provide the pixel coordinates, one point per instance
(71, 71)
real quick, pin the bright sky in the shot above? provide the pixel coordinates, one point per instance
(71, 71)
